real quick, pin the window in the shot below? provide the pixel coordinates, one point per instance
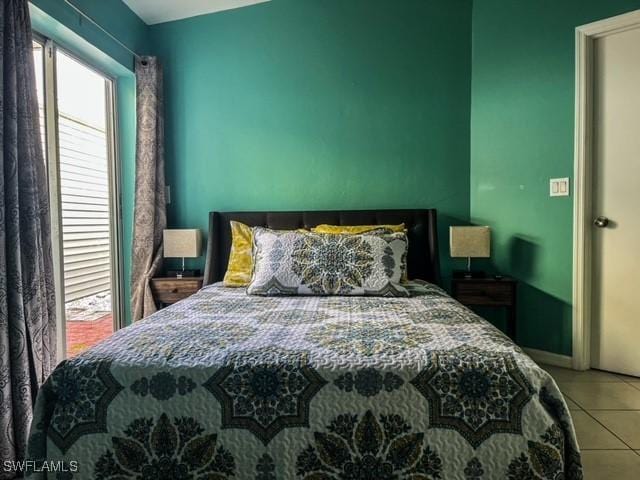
(76, 113)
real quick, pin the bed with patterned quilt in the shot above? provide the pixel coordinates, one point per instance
(227, 385)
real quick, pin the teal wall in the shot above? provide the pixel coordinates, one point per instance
(126, 105)
(369, 104)
(318, 104)
(56, 20)
(113, 15)
(522, 133)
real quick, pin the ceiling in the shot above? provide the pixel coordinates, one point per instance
(158, 11)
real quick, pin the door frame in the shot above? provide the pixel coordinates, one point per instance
(115, 210)
(114, 181)
(53, 180)
(583, 179)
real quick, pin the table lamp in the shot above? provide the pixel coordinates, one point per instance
(469, 242)
(182, 243)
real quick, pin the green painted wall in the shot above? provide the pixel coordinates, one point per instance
(56, 20)
(522, 133)
(369, 104)
(318, 104)
(113, 15)
(126, 106)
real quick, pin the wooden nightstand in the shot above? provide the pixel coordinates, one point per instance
(168, 290)
(489, 292)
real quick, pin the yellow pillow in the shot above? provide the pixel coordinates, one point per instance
(240, 265)
(355, 229)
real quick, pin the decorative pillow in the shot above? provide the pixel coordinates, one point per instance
(356, 229)
(293, 263)
(369, 230)
(240, 265)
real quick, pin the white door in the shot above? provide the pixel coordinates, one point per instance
(616, 234)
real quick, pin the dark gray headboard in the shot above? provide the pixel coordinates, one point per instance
(423, 260)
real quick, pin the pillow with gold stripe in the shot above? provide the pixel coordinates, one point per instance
(356, 229)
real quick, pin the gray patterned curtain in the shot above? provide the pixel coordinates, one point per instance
(27, 302)
(149, 217)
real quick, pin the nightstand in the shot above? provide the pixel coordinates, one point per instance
(168, 290)
(489, 292)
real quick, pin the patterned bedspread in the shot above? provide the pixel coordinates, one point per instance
(225, 385)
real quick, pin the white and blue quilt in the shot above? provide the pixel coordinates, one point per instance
(225, 385)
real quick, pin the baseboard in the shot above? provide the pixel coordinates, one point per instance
(549, 358)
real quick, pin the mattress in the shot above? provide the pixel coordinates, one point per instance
(226, 385)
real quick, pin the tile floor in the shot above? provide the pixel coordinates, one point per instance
(606, 414)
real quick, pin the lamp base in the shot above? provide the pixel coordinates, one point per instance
(469, 274)
(183, 273)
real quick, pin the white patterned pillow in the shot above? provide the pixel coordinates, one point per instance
(295, 263)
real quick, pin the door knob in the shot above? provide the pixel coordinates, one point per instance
(601, 222)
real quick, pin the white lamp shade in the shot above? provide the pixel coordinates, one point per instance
(474, 242)
(185, 243)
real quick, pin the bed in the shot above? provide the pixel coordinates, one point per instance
(227, 385)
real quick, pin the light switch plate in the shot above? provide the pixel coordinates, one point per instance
(167, 194)
(559, 187)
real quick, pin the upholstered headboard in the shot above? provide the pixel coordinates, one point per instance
(423, 260)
